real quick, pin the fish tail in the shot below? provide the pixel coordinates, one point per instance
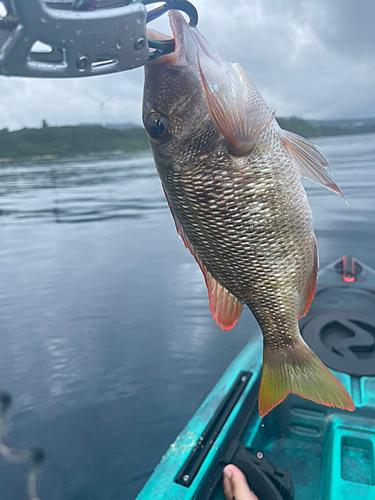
(296, 369)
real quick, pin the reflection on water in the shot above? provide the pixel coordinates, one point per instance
(107, 343)
(339, 228)
(86, 189)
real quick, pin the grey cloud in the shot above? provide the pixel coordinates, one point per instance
(348, 28)
(26, 102)
(314, 59)
(311, 58)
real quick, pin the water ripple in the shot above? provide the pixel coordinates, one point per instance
(80, 190)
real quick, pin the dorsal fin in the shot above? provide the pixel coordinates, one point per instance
(224, 306)
(235, 105)
(308, 160)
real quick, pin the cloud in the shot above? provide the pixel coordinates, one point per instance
(26, 102)
(314, 59)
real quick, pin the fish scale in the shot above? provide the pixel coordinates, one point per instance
(246, 221)
(232, 181)
(247, 217)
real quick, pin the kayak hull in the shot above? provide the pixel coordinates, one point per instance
(329, 452)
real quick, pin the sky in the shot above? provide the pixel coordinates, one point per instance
(311, 58)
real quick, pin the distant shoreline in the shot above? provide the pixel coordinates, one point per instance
(53, 157)
(48, 143)
(69, 141)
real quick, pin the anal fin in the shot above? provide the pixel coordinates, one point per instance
(309, 291)
(224, 306)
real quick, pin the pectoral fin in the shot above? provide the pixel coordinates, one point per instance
(235, 105)
(224, 306)
(308, 160)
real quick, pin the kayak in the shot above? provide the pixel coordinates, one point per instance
(300, 449)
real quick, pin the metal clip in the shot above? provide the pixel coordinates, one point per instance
(106, 37)
(110, 39)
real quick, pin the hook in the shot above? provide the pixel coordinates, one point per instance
(167, 46)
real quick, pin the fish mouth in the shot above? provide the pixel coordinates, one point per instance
(188, 42)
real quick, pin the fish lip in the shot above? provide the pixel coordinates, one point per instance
(180, 30)
(187, 44)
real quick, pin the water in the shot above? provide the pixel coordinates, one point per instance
(107, 343)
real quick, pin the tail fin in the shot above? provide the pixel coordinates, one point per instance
(297, 370)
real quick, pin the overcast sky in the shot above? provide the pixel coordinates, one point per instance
(312, 58)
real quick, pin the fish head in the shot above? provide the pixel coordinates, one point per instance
(196, 102)
(175, 113)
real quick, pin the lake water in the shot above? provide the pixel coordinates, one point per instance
(107, 344)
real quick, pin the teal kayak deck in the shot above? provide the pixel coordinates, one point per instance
(329, 452)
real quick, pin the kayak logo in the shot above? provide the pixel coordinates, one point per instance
(343, 341)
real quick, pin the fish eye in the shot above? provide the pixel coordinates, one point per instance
(158, 127)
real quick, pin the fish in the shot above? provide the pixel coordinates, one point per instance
(232, 180)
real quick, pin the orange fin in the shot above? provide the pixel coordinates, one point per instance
(309, 291)
(296, 369)
(309, 162)
(235, 105)
(224, 306)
